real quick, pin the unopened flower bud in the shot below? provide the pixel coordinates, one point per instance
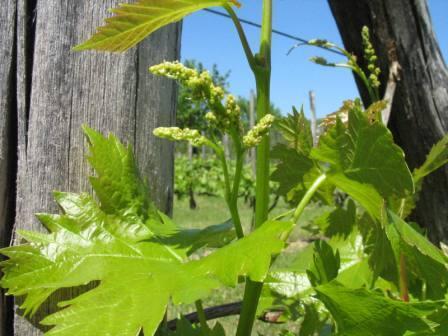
(179, 134)
(256, 134)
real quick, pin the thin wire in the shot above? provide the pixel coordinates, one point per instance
(274, 31)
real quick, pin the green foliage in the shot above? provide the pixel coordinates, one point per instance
(296, 130)
(130, 253)
(325, 265)
(214, 236)
(367, 273)
(358, 150)
(352, 156)
(133, 22)
(206, 177)
(379, 249)
(339, 221)
(368, 313)
(296, 171)
(200, 176)
(117, 185)
(437, 157)
(185, 328)
(426, 263)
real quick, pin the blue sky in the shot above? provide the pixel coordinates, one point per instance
(213, 39)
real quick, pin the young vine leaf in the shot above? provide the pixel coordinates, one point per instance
(124, 246)
(369, 313)
(185, 328)
(378, 248)
(437, 157)
(296, 171)
(338, 221)
(296, 130)
(133, 22)
(423, 259)
(326, 264)
(364, 161)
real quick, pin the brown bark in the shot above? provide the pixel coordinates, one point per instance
(402, 31)
(55, 91)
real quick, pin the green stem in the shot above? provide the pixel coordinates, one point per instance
(262, 168)
(230, 199)
(233, 201)
(239, 163)
(202, 318)
(307, 198)
(225, 169)
(242, 35)
(262, 71)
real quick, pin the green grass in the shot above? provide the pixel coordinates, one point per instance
(213, 210)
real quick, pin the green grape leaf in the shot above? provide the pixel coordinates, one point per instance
(364, 152)
(437, 157)
(289, 277)
(423, 260)
(368, 313)
(185, 328)
(378, 248)
(357, 275)
(313, 322)
(191, 240)
(339, 221)
(288, 287)
(295, 173)
(121, 249)
(118, 184)
(128, 271)
(133, 22)
(296, 130)
(441, 318)
(291, 168)
(363, 193)
(326, 264)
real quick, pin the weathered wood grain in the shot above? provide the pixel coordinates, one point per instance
(402, 31)
(61, 90)
(7, 141)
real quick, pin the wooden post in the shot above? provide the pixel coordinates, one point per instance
(8, 107)
(313, 117)
(402, 32)
(47, 93)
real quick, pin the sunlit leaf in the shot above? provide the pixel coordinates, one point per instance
(423, 260)
(133, 22)
(362, 154)
(368, 313)
(124, 247)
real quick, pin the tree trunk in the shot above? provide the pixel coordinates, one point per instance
(57, 91)
(402, 31)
